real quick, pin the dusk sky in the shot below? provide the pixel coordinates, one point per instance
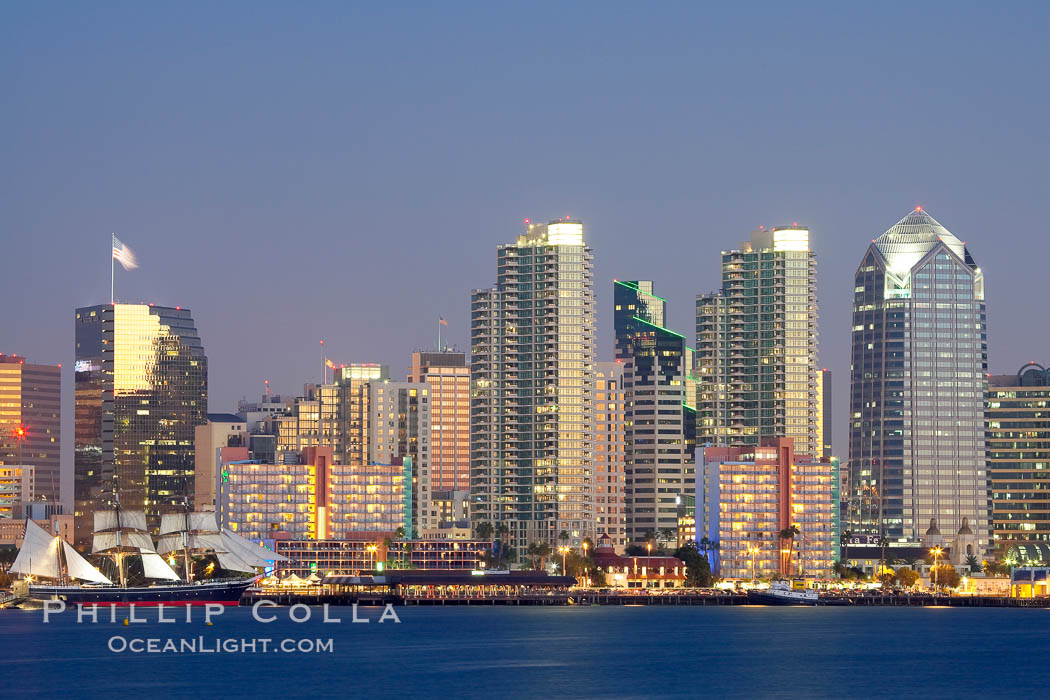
(292, 172)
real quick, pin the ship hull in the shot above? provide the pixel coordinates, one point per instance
(767, 598)
(222, 593)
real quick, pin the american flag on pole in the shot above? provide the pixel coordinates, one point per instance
(442, 321)
(123, 255)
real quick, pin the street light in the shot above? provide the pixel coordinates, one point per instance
(752, 551)
(371, 549)
(564, 551)
(936, 552)
(586, 569)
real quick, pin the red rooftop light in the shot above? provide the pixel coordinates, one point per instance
(918, 208)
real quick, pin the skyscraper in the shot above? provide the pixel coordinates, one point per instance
(30, 421)
(141, 387)
(610, 510)
(1018, 416)
(399, 434)
(353, 382)
(660, 427)
(532, 384)
(917, 443)
(824, 395)
(756, 345)
(449, 379)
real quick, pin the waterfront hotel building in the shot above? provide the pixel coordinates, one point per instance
(532, 388)
(917, 432)
(747, 495)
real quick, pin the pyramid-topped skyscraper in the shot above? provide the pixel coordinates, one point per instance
(917, 449)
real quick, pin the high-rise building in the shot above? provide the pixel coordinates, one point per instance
(221, 430)
(449, 378)
(756, 345)
(30, 421)
(826, 411)
(1017, 410)
(751, 495)
(532, 384)
(917, 386)
(311, 420)
(399, 434)
(660, 427)
(353, 382)
(610, 510)
(141, 389)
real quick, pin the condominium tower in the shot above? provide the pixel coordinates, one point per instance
(30, 421)
(532, 384)
(660, 428)
(917, 442)
(141, 388)
(756, 345)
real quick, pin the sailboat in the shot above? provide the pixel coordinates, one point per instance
(122, 533)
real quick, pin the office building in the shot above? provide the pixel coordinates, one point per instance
(660, 428)
(448, 375)
(917, 386)
(610, 510)
(756, 345)
(532, 384)
(30, 421)
(221, 430)
(141, 389)
(1017, 410)
(752, 494)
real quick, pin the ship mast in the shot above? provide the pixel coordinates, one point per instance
(120, 541)
(186, 538)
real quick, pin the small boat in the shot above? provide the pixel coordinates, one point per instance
(781, 593)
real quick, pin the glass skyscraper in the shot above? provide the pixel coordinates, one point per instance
(917, 442)
(532, 388)
(660, 427)
(756, 345)
(141, 388)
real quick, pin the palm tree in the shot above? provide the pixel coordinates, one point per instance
(564, 537)
(703, 545)
(667, 534)
(882, 543)
(789, 533)
(399, 533)
(501, 531)
(484, 530)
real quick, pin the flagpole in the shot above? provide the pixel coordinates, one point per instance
(112, 260)
(439, 335)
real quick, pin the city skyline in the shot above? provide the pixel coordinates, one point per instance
(234, 213)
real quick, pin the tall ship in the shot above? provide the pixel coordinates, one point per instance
(120, 536)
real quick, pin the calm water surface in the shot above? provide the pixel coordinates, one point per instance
(582, 652)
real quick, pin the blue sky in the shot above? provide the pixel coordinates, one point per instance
(339, 170)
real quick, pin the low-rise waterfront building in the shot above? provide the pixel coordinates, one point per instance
(637, 572)
(12, 531)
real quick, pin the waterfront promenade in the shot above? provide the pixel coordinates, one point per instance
(324, 595)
